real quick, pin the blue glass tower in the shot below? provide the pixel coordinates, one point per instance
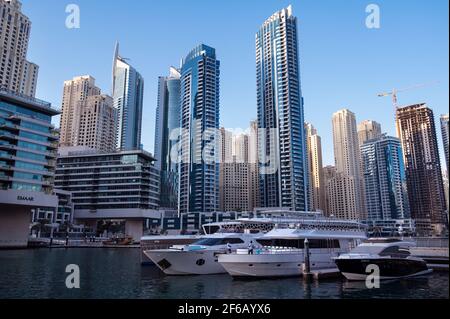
(384, 179)
(199, 167)
(281, 147)
(167, 127)
(128, 93)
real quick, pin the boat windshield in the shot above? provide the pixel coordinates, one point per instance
(382, 251)
(363, 249)
(217, 241)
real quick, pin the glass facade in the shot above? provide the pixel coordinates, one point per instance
(199, 167)
(128, 94)
(166, 136)
(280, 114)
(28, 143)
(119, 180)
(384, 179)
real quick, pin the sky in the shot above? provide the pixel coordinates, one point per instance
(343, 64)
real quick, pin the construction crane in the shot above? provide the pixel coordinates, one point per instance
(394, 92)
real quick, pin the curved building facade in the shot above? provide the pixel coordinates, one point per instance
(166, 136)
(199, 167)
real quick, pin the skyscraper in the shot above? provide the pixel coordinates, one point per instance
(417, 133)
(384, 179)
(237, 180)
(316, 183)
(16, 73)
(368, 130)
(128, 94)
(166, 136)
(341, 196)
(199, 168)
(98, 123)
(328, 172)
(75, 91)
(281, 146)
(225, 146)
(445, 138)
(241, 148)
(348, 158)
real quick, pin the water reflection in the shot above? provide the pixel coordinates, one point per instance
(117, 273)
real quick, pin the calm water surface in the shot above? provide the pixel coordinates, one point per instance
(117, 273)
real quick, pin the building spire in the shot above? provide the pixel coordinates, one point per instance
(115, 57)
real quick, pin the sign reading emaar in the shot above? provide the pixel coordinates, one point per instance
(25, 198)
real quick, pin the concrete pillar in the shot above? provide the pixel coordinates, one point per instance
(14, 226)
(135, 229)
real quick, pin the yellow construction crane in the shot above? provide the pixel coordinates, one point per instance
(394, 92)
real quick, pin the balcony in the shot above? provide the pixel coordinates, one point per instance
(7, 136)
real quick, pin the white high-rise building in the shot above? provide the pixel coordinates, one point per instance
(368, 130)
(328, 173)
(225, 146)
(348, 164)
(241, 148)
(238, 178)
(128, 95)
(75, 91)
(316, 185)
(16, 73)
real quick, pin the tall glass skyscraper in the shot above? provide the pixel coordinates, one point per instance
(167, 123)
(281, 147)
(199, 167)
(128, 93)
(384, 179)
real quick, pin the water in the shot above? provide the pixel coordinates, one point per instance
(117, 273)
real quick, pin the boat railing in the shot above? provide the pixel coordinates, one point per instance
(278, 250)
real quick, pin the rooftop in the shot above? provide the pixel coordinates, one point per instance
(28, 101)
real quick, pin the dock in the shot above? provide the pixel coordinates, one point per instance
(327, 273)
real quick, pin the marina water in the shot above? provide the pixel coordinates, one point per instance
(117, 273)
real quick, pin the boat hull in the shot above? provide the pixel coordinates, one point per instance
(390, 268)
(274, 264)
(186, 262)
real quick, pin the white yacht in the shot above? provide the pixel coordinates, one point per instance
(392, 256)
(282, 251)
(152, 242)
(200, 257)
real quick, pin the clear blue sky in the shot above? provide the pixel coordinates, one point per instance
(343, 64)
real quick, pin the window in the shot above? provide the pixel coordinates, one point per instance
(26, 187)
(232, 241)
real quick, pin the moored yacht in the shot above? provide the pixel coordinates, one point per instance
(282, 251)
(200, 257)
(390, 255)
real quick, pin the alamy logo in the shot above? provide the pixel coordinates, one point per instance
(373, 19)
(373, 277)
(73, 280)
(73, 19)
